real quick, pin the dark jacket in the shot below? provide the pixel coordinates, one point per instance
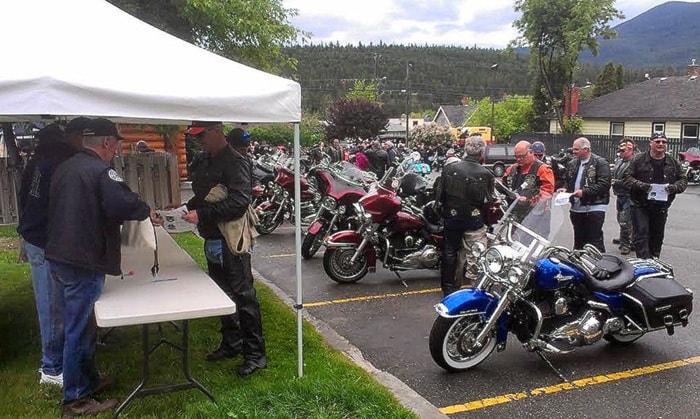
(595, 181)
(89, 202)
(619, 188)
(34, 192)
(463, 192)
(377, 159)
(392, 157)
(639, 174)
(231, 169)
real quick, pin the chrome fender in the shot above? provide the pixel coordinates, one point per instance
(473, 302)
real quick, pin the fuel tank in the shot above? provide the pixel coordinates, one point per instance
(381, 203)
(405, 222)
(551, 274)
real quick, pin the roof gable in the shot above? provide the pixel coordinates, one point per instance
(456, 114)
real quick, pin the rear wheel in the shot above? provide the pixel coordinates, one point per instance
(267, 222)
(619, 339)
(338, 266)
(453, 343)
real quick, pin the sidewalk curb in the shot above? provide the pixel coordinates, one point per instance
(403, 393)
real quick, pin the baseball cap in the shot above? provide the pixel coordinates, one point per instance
(625, 145)
(78, 124)
(238, 138)
(101, 127)
(50, 134)
(198, 127)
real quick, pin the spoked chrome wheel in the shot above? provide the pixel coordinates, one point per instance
(453, 343)
(311, 244)
(267, 223)
(338, 265)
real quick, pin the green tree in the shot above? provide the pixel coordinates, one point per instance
(355, 118)
(607, 81)
(512, 114)
(363, 90)
(556, 32)
(251, 32)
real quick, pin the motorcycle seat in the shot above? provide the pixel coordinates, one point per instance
(612, 273)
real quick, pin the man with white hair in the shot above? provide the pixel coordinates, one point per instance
(391, 153)
(588, 180)
(462, 194)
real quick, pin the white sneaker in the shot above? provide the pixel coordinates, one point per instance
(54, 380)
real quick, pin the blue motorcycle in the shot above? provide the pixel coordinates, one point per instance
(554, 300)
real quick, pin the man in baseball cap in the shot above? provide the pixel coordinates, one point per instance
(199, 127)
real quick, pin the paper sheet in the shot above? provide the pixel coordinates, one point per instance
(658, 192)
(562, 198)
(173, 222)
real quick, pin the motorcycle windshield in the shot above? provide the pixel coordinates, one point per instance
(531, 226)
(352, 174)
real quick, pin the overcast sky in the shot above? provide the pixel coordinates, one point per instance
(481, 23)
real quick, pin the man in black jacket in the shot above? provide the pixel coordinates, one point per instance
(646, 174)
(462, 194)
(377, 158)
(588, 180)
(88, 203)
(240, 332)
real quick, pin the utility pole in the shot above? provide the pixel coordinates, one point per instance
(409, 66)
(493, 67)
(376, 75)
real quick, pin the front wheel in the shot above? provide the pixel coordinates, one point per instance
(453, 343)
(337, 264)
(267, 222)
(312, 242)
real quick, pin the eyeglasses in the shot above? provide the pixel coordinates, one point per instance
(659, 141)
(520, 156)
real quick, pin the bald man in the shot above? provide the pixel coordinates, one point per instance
(533, 181)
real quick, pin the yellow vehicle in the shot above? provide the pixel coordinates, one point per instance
(464, 132)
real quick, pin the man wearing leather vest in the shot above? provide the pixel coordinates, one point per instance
(647, 172)
(622, 194)
(533, 181)
(241, 333)
(462, 193)
(588, 180)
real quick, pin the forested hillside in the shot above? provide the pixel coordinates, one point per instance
(438, 75)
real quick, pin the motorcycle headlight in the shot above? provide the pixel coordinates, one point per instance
(477, 249)
(494, 261)
(362, 214)
(286, 194)
(271, 184)
(515, 275)
(329, 203)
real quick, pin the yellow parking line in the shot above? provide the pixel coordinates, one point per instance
(599, 379)
(371, 297)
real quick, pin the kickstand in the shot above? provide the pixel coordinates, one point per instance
(556, 371)
(401, 280)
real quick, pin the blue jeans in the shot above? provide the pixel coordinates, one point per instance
(80, 288)
(48, 308)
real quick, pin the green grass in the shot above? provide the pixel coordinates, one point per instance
(332, 386)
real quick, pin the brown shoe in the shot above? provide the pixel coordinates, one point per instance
(87, 406)
(106, 382)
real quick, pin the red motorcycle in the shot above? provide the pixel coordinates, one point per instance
(395, 231)
(280, 205)
(342, 185)
(690, 163)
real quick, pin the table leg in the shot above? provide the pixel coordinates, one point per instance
(191, 383)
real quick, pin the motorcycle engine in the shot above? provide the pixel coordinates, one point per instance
(583, 330)
(427, 257)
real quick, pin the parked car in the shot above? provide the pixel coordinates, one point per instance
(498, 156)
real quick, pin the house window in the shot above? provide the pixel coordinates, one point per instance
(689, 131)
(658, 127)
(617, 129)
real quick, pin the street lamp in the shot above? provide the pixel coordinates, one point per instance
(409, 66)
(493, 67)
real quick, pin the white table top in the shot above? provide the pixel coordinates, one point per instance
(140, 298)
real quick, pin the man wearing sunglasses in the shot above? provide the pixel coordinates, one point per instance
(654, 179)
(241, 332)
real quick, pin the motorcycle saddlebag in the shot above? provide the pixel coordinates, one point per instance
(655, 301)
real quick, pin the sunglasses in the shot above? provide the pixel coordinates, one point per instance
(659, 141)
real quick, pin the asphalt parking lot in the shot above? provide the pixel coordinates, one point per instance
(389, 323)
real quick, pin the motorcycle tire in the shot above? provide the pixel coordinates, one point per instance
(311, 244)
(621, 340)
(267, 223)
(452, 343)
(336, 263)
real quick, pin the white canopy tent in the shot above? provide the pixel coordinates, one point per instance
(87, 57)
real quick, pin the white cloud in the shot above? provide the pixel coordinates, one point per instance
(486, 24)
